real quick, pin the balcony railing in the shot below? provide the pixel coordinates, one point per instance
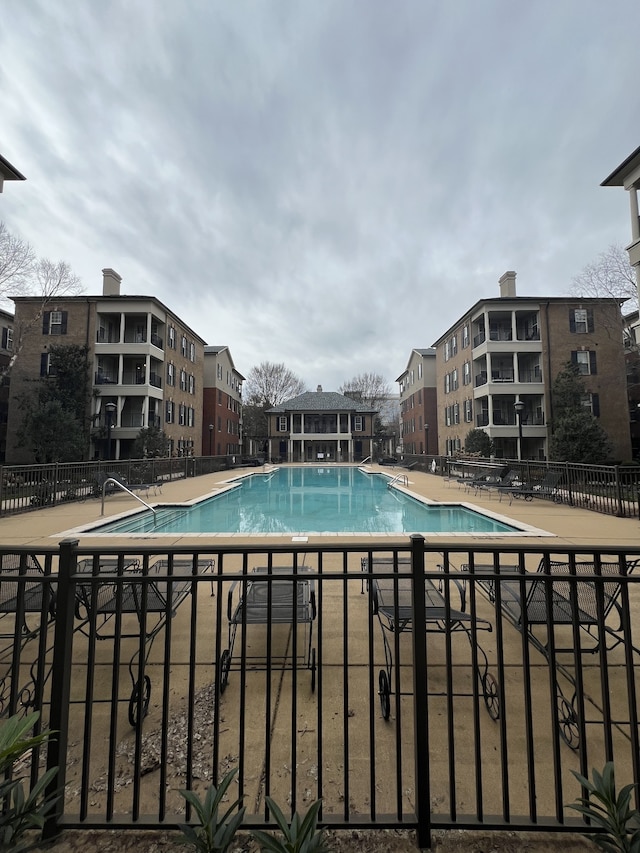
(534, 375)
(106, 379)
(131, 419)
(503, 375)
(156, 340)
(480, 379)
(133, 377)
(480, 338)
(501, 334)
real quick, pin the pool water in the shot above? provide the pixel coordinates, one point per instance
(311, 500)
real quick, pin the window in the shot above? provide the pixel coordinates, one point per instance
(183, 380)
(447, 383)
(192, 352)
(592, 402)
(182, 415)
(282, 423)
(447, 416)
(466, 373)
(419, 370)
(358, 423)
(581, 320)
(447, 350)
(183, 346)
(465, 336)
(468, 411)
(54, 323)
(219, 371)
(171, 376)
(585, 361)
(454, 345)
(192, 384)
(169, 412)
(172, 337)
(7, 339)
(454, 380)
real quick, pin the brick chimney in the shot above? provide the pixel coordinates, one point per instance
(110, 282)
(507, 284)
(319, 389)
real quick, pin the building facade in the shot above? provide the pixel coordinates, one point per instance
(419, 403)
(146, 368)
(627, 175)
(222, 404)
(321, 426)
(509, 350)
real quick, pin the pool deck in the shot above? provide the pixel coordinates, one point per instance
(572, 526)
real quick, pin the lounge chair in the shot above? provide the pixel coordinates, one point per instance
(489, 476)
(546, 488)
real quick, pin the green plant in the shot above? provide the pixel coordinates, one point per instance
(20, 813)
(301, 836)
(214, 834)
(619, 822)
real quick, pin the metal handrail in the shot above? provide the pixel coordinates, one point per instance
(124, 489)
(399, 478)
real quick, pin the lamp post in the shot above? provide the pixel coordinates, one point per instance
(111, 408)
(519, 407)
(210, 437)
(426, 439)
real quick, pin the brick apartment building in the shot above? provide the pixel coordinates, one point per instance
(419, 403)
(146, 367)
(509, 350)
(222, 403)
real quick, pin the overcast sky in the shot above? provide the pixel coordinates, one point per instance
(324, 184)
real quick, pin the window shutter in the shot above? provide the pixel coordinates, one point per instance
(45, 322)
(590, 324)
(574, 357)
(5, 335)
(63, 327)
(572, 320)
(44, 362)
(592, 362)
(595, 405)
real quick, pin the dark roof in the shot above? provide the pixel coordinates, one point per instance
(9, 172)
(322, 401)
(616, 178)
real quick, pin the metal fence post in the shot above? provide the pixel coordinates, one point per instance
(420, 704)
(61, 681)
(620, 513)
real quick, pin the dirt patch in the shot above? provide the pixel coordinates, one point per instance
(345, 841)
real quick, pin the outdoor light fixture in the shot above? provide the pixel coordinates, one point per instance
(519, 407)
(210, 437)
(110, 409)
(426, 439)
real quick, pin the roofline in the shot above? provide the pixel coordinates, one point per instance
(503, 300)
(100, 298)
(9, 172)
(216, 350)
(616, 178)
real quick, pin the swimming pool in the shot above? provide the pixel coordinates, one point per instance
(311, 499)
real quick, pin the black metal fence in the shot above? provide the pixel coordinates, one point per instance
(27, 487)
(419, 686)
(609, 489)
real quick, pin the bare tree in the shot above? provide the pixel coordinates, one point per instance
(610, 276)
(22, 274)
(17, 262)
(271, 384)
(370, 388)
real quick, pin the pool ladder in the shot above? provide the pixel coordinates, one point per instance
(399, 478)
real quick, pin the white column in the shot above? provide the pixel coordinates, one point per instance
(635, 215)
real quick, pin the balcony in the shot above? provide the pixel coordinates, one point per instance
(156, 340)
(480, 338)
(534, 375)
(103, 336)
(482, 420)
(481, 379)
(105, 379)
(500, 333)
(504, 418)
(502, 375)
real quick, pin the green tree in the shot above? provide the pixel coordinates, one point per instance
(478, 441)
(56, 424)
(577, 435)
(150, 441)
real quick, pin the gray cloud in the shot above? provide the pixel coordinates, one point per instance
(329, 184)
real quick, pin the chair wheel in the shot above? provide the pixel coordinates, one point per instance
(225, 666)
(133, 702)
(384, 692)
